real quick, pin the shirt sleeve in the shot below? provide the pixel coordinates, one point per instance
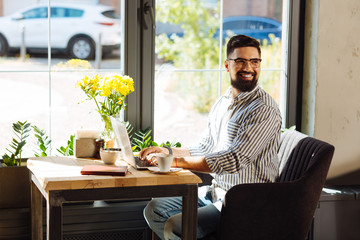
(251, 138)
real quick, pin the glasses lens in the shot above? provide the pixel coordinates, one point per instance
(242, 62)
(255, 62)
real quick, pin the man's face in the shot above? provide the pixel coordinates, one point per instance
(243, 74)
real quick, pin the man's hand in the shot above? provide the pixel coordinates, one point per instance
(149, 154)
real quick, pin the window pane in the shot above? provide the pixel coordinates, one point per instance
(69, 109)
(182, 101)
(45, 95)
(23, 97)
(22, 31)
(190, 74)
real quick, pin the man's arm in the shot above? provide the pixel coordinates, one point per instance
(196, 163)
(182, 158)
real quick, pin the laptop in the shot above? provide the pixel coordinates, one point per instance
(122, 139)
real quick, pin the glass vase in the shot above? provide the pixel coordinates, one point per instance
(108, 133)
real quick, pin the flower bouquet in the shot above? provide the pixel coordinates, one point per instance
(108, 93)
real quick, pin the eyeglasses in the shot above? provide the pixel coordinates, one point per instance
(254, 62)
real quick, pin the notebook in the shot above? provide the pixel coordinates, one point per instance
(104, 170)
(122, 139)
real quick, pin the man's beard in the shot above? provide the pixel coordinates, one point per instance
(244, 85)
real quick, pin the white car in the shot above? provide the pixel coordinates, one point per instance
(75, 29)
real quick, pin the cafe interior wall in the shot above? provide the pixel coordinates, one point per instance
(331, 86)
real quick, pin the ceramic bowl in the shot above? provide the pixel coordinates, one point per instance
(110, 155)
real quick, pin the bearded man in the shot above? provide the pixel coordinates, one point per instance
(240, 145)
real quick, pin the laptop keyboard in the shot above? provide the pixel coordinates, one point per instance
(142, 163)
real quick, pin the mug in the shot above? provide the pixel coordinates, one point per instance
(164, 162)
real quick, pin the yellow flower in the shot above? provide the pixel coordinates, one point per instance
(75, 64)
(108, 92)
(83, 82)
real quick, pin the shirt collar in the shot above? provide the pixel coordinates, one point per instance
(243, 95)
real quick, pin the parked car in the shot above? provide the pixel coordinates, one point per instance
(75, 29)
(256, 27)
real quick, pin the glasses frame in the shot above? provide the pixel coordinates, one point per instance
(243, 61)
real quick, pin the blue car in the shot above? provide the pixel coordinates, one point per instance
(256, 27)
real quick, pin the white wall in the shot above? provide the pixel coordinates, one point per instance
(331, 106)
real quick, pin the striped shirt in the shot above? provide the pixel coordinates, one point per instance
(242, 139)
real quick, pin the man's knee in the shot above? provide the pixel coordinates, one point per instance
(151, 211)
(172, 229)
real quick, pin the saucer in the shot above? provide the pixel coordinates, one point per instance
(157, 170)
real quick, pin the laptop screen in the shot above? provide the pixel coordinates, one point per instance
(123, 141)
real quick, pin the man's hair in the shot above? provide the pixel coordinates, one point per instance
(238, 41)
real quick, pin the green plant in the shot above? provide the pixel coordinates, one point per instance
(171, 144)
(21, 131)
(43, 142)
(168, 143)
(69, 149)
(293, 128)
(141, 139)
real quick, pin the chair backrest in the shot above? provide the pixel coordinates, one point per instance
(288, 141)
(285, 209)
(302, 157)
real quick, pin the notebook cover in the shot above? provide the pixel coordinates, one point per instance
(104, 170)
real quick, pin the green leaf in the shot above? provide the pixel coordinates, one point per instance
(68, 150)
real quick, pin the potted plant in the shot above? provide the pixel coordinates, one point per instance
(14, 175)
(15, 187)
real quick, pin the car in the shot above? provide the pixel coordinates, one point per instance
(75, 29)
(253, 26)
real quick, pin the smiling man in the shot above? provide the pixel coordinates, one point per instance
(240, 145)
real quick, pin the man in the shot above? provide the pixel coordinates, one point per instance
(240, 146)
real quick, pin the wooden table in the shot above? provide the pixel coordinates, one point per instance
(58, 179)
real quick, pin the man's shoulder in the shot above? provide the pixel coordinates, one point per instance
(266, 99)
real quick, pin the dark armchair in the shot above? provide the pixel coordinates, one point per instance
(285, 209)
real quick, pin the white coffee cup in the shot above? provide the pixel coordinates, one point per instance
(164, 162)
(110, 155)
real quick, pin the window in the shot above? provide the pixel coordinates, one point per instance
(189, 70)
(35, 13)
(39, 87)
(58, 12)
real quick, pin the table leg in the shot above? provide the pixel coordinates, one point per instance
(189, 213)
(36, 213)
(54, 218)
